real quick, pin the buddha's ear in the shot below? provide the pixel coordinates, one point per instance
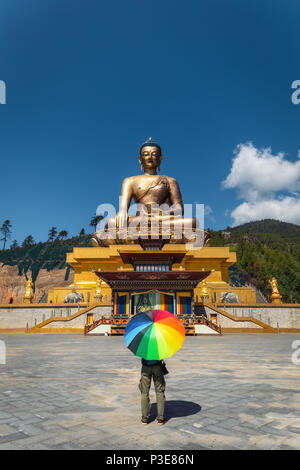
(140, 160)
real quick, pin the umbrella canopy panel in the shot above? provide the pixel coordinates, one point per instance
(154, 335)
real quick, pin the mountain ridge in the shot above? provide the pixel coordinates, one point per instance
(264, 249)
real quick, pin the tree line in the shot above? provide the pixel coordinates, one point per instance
(53, 234)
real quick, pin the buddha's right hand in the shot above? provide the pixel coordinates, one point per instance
(121, 219)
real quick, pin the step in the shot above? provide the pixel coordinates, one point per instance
(103, 329)
(205, 330)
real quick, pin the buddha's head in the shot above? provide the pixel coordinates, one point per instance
(150, 156)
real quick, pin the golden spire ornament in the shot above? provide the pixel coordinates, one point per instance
(98, 296)
(204, 292)
(275, 297)
(27, 299)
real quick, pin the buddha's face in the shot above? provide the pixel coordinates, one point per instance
(150, 157)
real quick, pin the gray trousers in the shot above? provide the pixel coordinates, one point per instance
(155, 372)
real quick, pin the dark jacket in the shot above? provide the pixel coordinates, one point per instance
(150, 363)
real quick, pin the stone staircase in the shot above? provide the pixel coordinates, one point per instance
(267, 328)
(40, 327)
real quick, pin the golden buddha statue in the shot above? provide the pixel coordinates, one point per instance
(159, 203)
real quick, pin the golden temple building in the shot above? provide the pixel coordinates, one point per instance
(87, 261)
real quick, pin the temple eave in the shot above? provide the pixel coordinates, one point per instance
(179, 280)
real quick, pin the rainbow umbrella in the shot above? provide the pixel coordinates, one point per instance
(154, 335)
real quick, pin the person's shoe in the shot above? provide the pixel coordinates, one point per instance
(160, 421)
(144, 421)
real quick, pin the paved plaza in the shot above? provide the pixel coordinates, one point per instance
(76, 392)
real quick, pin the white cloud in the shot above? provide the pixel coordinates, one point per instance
(262, 181)
(259, 174)
(286, 210)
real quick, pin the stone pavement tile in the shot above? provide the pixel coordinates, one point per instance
(191, 430)
(11, 420)
(98, 440)
(212, 442)
(33, 420)
(249, 430)
(69, 423)
(285, 447)
(29, 429)
(28, 441)
(266, 442)
(254, 420)
(283, 423)
(204, 421)
(217, 416)
(294, 429)
(9, 446)
(4, 415)
(192, 446)
(292, 442)
(22, 414)
(56, 440)
(218, 429)
(80, 430)
(68, 446)
(46, 408)
(38, 446)
(20, 405)
(288, 418)
(51, 427)
(43, 415)
(12, 437)
(6, 429)
(229, 423)
(93, 439)
(268, 429)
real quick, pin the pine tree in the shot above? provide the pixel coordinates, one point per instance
(28, 241)
(5, 229)
(63, 234)
(95, 220)
(14, 245)
(52, 234)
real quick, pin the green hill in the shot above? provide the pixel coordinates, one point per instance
(265, 249)
(269, 226)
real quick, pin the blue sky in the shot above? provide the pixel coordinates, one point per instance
(88, 81)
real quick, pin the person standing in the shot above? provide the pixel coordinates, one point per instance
(152, 370)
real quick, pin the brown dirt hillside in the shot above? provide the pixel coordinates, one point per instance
(13, 285)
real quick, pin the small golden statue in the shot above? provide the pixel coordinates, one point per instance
(27, 299)
(204, 292)
(160, 205)
(275, 297)
(98, 296)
